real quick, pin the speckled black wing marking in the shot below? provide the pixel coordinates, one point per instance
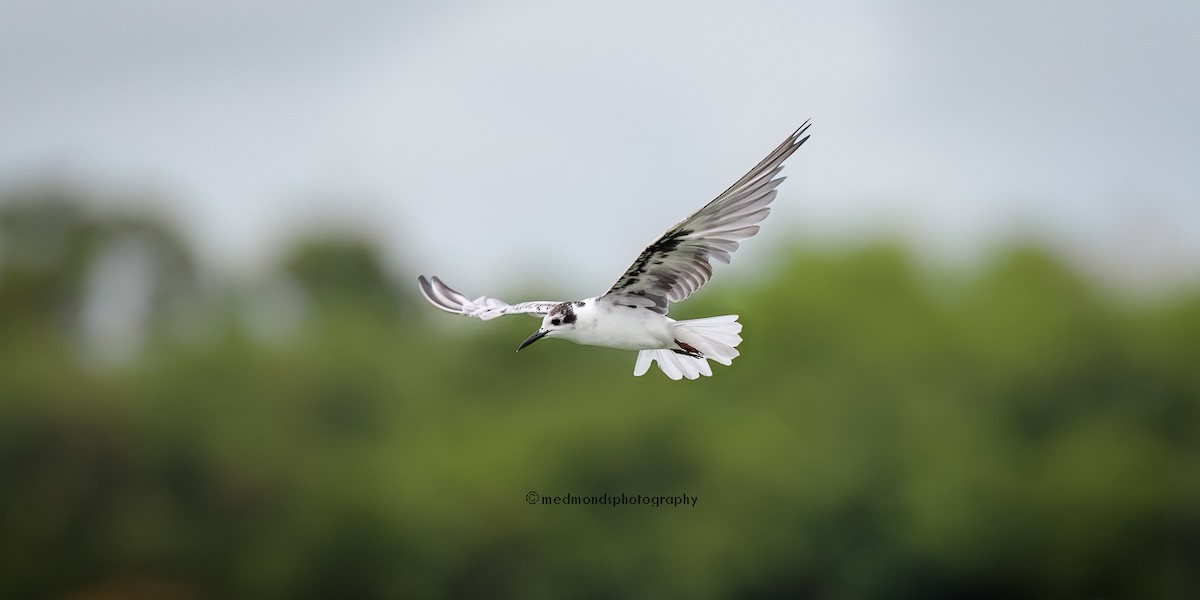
(444, 297)
(675, 266)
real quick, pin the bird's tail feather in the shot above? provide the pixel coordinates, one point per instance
(714, 337)
(676, 366)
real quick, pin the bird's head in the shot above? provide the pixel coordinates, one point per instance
(560, 319)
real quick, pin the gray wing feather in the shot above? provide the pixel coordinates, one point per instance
(679, 262)
(450, 300)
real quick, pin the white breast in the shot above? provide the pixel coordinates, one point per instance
(614, 326)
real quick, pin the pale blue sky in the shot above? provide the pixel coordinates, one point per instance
(480, 140)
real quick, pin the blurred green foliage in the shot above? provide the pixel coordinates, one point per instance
(889, 432)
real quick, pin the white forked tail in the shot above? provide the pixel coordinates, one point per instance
(714, 337)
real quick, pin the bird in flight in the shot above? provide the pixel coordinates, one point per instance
(632, 314)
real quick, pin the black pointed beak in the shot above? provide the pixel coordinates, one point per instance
(537, 335)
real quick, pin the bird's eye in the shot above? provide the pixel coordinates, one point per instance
(556, 321)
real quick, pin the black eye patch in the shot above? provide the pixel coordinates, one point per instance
(562, 314)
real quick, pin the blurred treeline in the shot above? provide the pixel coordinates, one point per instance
(889, 432)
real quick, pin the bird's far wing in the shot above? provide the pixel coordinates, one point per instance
(675, 266)
(449, 300)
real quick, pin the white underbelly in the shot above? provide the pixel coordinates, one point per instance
(627, 329)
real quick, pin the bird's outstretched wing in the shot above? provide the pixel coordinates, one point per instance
(444, 297)
(675, 266)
